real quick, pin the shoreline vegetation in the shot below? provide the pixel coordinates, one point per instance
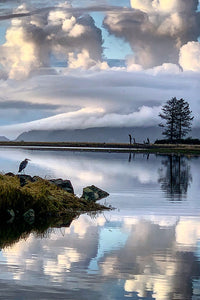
(53, 197)
(188, 147)
(36, 205)
(33, 204)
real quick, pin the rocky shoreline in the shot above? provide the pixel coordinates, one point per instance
(29, 199)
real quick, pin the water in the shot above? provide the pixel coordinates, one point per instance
(147, 248)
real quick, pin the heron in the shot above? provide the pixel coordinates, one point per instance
(23, 164)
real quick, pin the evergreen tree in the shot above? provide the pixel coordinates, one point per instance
(169, 115)
(184, 118)
(178, 119)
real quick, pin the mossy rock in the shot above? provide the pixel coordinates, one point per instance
(63, 184)
(29, 216)
(93, 193)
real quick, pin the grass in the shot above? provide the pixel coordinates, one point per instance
(53, 207)
(189, 149)
(42, 196)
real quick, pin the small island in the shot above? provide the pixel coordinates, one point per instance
(33, 198)
(36, 205)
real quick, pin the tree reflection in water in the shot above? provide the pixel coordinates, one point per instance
(175, 176)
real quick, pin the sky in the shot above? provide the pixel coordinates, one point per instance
(81, 64)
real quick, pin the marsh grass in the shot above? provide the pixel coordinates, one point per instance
(42, 196)
(53, 207)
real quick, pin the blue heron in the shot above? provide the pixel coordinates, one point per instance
(23, 164)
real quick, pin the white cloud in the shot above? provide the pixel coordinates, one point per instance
(22, 53)
(83, 60)
(162, 6)
(30, 41)
(189, 58)
(87, 118)
(165, 69)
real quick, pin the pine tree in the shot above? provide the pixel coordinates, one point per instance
(169, 115)
(178, 119)
(184, 118)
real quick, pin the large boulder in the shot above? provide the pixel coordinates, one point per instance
(63, 184)
(93, 193)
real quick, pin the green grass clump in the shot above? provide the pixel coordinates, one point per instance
(42, 196)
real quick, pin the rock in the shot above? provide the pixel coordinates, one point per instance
(24, 179)
(29, 216)
(10, 174)
(93, 193)
(63, 184)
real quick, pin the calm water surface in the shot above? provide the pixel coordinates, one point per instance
(147, 248)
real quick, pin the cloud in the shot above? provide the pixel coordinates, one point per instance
(83, 60)
(88, 118)
(31, 40)
(26, 105)
(156, 30)
(163, 6)
(88, 93)
(165, 69)
(91, 98)
(189, 58)
(42, 8)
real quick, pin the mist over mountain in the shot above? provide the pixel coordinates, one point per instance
(101, 135)
(106, 134)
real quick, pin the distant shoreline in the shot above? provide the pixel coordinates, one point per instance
(108, 147)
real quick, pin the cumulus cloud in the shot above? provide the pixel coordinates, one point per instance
(165, 69)
(113, 97)
(83, 60)
(31, 40)
(189, 58)
(156, 30)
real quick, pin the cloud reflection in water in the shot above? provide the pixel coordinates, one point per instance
(148, 247)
